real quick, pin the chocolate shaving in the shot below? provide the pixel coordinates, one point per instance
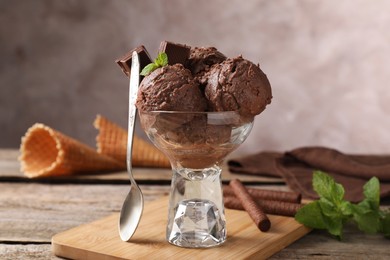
(254, 210)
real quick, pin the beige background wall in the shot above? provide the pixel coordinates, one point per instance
(328, 63)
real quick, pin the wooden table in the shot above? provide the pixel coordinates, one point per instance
(32, 211)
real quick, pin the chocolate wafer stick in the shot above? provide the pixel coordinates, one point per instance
(285, 196)
(255, 212)
(269, 206)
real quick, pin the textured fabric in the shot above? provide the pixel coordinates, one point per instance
(296, 168)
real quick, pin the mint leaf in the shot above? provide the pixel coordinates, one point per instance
(366, 214)
(162, 59)
(327, 188)
(328, 208)
(148, 69)
(311, 216)
(371, 191)
(327, 212)
(367, 221)
(334, 217)
(346, 208)
(331, 211)
(334, 225)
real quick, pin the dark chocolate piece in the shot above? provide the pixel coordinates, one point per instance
(177, 53)
(125, 61)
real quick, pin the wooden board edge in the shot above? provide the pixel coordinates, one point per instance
(68, 252)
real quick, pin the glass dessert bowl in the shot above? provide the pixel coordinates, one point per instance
(196, 144)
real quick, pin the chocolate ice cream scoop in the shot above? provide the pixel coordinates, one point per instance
(201, 60)
(238, 85)
(170, 88)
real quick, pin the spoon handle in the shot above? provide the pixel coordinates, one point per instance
(133, 89)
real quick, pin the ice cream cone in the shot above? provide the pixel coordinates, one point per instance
(47, 152)
(112, 141)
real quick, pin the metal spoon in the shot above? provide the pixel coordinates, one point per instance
(134, 203)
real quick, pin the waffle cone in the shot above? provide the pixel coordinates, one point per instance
(112, 141)
(47, 152)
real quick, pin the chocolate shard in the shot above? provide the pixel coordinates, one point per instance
(177, 53)
(125, 61)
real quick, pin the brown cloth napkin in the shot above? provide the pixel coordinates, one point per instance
(296, 168)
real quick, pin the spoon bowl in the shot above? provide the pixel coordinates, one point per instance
(131, 212)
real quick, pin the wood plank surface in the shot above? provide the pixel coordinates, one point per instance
(355, 245)
(35, 212)
(32, 212)
(21, 202)
(27, 251)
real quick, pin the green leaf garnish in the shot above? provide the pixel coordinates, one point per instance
(148, 69)
(331, 211)
(160, 61)
(311, 215)
(327, 188)
(366, 214)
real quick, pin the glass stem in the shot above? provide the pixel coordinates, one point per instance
(196, 215)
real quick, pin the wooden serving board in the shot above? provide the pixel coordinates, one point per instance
(100, 239)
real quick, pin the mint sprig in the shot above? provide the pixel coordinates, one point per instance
(366, 214)
(160, 61)
(331, 211)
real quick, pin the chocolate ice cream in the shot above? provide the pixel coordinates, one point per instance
(193, 140)
(238, 85)
(170, 88)
(201, 59)
(207, 82)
